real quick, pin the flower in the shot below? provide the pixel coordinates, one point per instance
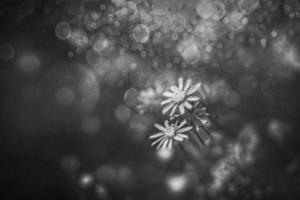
(150, 98)
(179, 98)
(168, 133)
(202, 115)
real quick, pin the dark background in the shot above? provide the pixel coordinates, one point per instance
(36, 136)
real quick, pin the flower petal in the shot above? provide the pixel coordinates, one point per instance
(178, 138)
(173, 88)
(167, 108)
(166, 101)
(173, 110)
(188, 105)
(181, 124)
(187, 84)
(156, 141)
(194, 89)
(181, 109)
(183, 135)
(156, 135)
(204, 121)
(168, 94)
(166, 123)
(180, 83)
(170, 145)
(161, 142)
(193, 98)
(160, 127)
(165, 143)
(185, 129)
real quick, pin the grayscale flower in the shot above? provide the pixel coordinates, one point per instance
(164, 139)
(180, 97)
(150, 98)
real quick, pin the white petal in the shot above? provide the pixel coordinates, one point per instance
(183, 135)
(194, 89)
(160, 127)
(165, 143)
(187, 84)
(166, 123)
(167, 108)
(178, 138)
(168, 94)
(185, 129)
(180, 83)
(193, 98)
(173, 110)
(156, 135)
(204, 121)
(166, 101)
(181, 109)
(161, 142)
(181, 124)
(174, 88)
(156, 141)
(188, 105)
(170, 145)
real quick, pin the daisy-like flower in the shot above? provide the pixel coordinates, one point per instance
(179, 97)
(164, 139)
(150, 98)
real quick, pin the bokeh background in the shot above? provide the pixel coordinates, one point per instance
(81, 86)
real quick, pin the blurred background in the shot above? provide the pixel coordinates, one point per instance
(82, 82)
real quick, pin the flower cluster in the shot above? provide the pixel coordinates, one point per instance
(179, 97)
(149, 99)
(186, 113)
(170, 132)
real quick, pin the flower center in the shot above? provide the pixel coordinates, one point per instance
(170, 132)
(179, 97)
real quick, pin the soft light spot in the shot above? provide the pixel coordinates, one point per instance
(64, 96)
(248, 5)
(29, 63)
(141, 33)
(79, 38)
(164, 154)
(101, 191)
(86, 180)
(177, 183)
(63, 30)
(93, 58)
(131, 97)
(122, 113)
(205, 9)
(219, 10)
(100, 42)
(189, 51)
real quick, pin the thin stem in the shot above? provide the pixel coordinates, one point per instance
(199, 137)
(206, 131)
(181, 147)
